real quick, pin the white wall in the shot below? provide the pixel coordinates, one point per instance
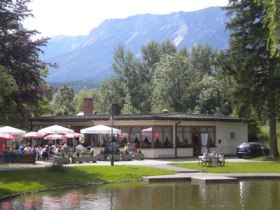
(223, 132)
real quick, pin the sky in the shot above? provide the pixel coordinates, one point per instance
(79, 17)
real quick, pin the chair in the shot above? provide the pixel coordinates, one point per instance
(205, 160)
(221, 160)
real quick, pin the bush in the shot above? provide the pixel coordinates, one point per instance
(57, 168)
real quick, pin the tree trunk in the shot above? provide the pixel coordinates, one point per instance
(272, 127)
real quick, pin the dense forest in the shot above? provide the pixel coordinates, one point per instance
(243, 80)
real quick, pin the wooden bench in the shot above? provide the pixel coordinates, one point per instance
(204, 162)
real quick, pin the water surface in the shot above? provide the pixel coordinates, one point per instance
(243, 195)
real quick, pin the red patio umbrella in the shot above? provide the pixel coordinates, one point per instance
(3, 137)
(34, 135)
(73, 135)
(55, 136)
(6, 136)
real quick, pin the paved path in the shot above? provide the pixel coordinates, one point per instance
(159, 163)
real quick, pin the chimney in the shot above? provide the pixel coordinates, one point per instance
(88, 106)
(116, 110)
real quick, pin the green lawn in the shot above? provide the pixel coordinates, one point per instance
(234, 167)
(25, 180)
(32, 180)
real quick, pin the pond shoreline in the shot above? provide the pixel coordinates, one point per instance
(181, 173)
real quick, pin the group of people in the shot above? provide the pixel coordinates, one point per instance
(46, 152)
(213, 158)
(130, 148)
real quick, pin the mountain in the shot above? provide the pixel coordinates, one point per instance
(89, 58)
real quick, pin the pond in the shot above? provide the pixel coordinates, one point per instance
(245, 195)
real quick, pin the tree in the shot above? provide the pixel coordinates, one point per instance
(206, 91)
(128, 108)
(110, 91)
(273, 21)
(151, 54)
(81, 95)
(136, 74)
(171, 80)
(19, 57)
(8, 84)
(256, 72)
(63, 101)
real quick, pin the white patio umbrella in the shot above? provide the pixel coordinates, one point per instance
(55, 129)
(147, 129)
(11, 130)
(100, 129)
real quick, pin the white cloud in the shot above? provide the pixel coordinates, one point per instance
(77, 17)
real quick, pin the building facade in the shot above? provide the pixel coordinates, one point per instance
(163, 135)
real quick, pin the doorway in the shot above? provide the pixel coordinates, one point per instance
(196, 142)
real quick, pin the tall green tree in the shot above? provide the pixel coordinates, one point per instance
(256, 72)
(171, 80)
(204, 88)
(63, 102)
(273, 21)
(136, 74)
(127, 70)
(151, 54)
(110, 91)
(19, 57)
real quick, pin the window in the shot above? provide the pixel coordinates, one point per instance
(135, 135)
(167, 137)
(158, 136)
(232, 136)
(185, 133)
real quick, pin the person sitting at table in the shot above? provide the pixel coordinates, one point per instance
(221, 160)
(27, 149)
(80, 149)
(206, 158)
(214, 158)
(126, 149)
(65, 149)
(21, 149)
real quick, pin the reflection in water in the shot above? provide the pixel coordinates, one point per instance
(253, 194)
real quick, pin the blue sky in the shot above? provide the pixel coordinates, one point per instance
(78, 17)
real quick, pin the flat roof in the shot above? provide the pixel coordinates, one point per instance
(158, 116)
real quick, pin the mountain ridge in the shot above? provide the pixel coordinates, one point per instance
(89, 57)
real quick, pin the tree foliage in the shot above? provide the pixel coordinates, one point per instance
(19, 58)
(167, 78)
(81, 95)
(272, 20)
(171, 80)
(63, 102)
(256, 72)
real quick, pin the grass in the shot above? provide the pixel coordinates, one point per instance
(30, 180)
(38, 179)
(234, 167)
